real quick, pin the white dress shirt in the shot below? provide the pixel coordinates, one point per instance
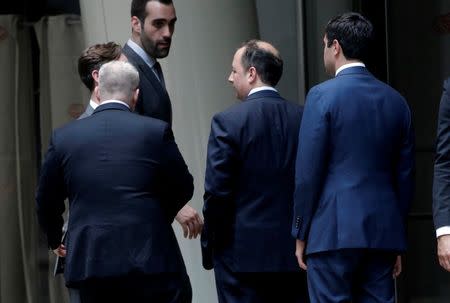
(258, 89)
(348, 66)
(114, 101)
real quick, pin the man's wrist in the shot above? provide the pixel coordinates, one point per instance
(443, 231)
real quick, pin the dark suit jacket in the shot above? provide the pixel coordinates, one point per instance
(126, 180)
(354, 168)
(249, 185)
(441, 184)
(153, 100)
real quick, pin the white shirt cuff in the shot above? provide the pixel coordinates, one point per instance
(441, 231)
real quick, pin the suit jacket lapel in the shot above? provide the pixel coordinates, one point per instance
(145, 70)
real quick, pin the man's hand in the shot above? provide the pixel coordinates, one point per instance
(190, 221)
(300, 253)
(397, 267)
(60, 251)
(443, 251)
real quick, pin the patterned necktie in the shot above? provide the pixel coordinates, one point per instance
(158, 70)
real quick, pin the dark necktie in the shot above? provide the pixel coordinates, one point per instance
(158, 70)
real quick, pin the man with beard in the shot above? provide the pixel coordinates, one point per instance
(152, 27)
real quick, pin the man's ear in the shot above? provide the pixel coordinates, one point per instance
(94, 75)
(336, 47)
(134, 98)
(136, 24)
(252, 75)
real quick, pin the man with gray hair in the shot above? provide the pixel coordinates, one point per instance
(126, 180)
(118, 82)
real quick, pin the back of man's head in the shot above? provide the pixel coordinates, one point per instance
(138, 8)
(354, 34)
(265, 59)
(93, 58)
(118, 80)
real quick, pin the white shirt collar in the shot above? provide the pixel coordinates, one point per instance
(141, 53)
(258, 89)
(340, 69)
(93, 104)
(114, 101)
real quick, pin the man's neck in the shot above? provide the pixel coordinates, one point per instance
(136, 39)
(94, 98)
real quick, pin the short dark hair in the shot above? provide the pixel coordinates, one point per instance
(353, 32)
(94, 57)
(138, 8)
(269, 66)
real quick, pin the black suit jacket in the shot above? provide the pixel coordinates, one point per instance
(249, 185)
(126, 180)
(153, 100)
(441, 184)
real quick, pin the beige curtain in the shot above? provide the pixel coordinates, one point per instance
(62, 96)
(19, 273)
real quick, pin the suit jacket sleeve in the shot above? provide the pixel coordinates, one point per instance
(441, 184)
(50, 197)
(405, 168)
(178, 180)
(311, 163)
(219, 184)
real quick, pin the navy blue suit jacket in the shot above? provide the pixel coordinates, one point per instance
(126, 180)
(153, 100)
(441, 184)
(249, 185)
(354, 168)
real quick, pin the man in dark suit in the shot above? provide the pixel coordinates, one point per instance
(249, 185)
(126, 180)
(441, 184)
(152, 27)
(354, 174)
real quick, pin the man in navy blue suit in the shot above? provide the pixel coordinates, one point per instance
(441, 184)
(354, 174)
(249, 185)
(152, 28)
(126, 180)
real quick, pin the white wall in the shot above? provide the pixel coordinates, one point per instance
(281, 25)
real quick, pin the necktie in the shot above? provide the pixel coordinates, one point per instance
(158, 70)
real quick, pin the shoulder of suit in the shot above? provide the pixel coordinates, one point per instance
(130, 54)
(447, 84)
